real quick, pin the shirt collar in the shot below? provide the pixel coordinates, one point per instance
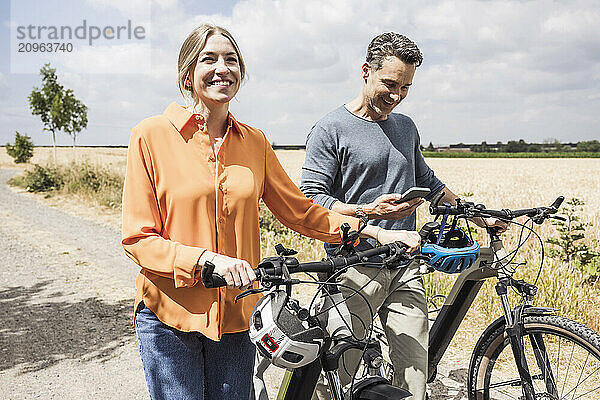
(180, 118)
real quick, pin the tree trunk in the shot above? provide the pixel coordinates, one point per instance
(74, 136)
(54, 146)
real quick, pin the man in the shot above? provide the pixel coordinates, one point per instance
(359, 158)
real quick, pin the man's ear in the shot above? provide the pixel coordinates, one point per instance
(366, 70)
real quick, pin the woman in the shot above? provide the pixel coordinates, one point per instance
(194, 179)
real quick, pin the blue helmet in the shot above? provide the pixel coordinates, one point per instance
(456, 252)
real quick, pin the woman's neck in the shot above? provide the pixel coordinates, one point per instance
(214, 116)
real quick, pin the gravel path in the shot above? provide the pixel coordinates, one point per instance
(66, 296)
(66, 299)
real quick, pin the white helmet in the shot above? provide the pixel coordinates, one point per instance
(279, 329)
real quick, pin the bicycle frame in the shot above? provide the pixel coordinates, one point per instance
(459, 301)
(300, 383)
(455, 307)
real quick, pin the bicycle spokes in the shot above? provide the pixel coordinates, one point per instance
(560, 368)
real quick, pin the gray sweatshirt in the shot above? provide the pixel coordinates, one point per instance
(355, 160)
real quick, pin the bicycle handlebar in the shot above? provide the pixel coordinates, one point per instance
(271, 269)
(470, 210)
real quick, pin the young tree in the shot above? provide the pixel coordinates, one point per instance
(58, 108)
(73, 113)
(22, 150)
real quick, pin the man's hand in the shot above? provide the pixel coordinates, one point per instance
(490, 222)
(390, 206)
(237, 273)
(411, 239)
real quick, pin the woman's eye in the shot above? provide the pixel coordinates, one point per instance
(207, 59)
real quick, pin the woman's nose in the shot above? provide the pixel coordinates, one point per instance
(220, 66)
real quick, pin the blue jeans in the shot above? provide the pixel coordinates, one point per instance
(188, 365)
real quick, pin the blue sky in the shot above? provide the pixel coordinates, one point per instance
(493, 70)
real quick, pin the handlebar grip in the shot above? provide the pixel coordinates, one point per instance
(427, 229)
(436, 200)
(557, 202)
(209, 279)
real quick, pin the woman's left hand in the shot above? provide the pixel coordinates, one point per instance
(411, 239)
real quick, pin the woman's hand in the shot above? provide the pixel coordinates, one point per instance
(237, 273)
(410, 238)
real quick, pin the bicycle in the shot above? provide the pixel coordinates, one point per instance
(275, 272)
(529, 352)
(518, 356)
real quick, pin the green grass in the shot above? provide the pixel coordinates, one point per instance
(469, 154)
(91, 182)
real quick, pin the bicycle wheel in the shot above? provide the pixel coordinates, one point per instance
(563, 357)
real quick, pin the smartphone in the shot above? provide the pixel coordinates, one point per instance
(413, 193)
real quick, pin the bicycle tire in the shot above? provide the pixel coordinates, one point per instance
(570, 349)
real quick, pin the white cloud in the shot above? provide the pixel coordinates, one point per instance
(130, 7)
(492, 71)
(128, 58)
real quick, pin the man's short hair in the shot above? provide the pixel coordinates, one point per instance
(393, 44)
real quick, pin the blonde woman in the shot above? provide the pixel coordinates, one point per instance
(194, 179)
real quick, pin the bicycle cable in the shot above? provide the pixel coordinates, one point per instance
(368, 332)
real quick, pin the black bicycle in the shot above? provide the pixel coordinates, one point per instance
(528, 353)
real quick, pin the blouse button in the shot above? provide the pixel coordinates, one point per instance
(221, 220)
(211, 158)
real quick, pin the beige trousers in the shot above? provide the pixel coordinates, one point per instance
(398, 297)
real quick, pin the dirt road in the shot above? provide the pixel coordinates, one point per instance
(66, 295)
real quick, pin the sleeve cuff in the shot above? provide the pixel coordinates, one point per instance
(184, 269)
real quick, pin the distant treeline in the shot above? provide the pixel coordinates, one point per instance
(474, 154)
(519, 146)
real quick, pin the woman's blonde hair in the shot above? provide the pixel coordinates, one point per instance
(191, 48)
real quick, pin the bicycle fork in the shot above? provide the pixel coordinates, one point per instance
(514, 330)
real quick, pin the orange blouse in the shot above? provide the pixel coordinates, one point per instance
(181, 199)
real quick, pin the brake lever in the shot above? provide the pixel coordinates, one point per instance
(247, 293)
(398, 254)
(558, 217)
